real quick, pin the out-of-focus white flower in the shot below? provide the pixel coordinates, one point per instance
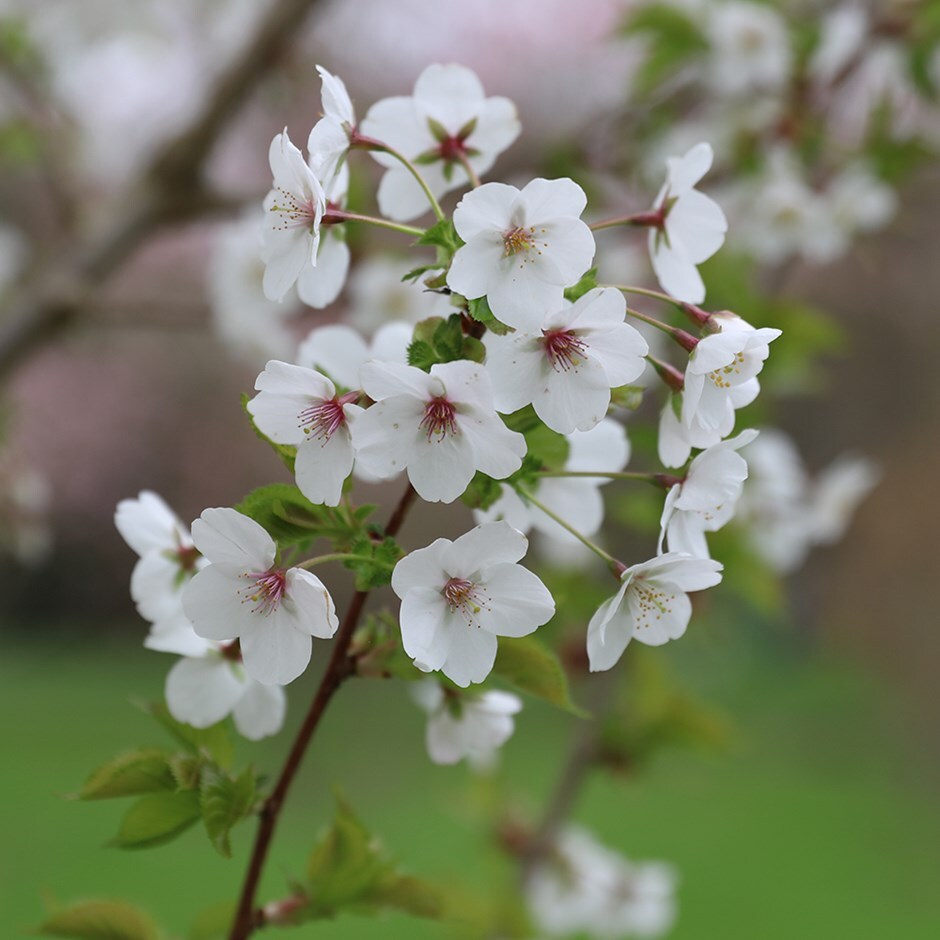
(706, 499)
(652, 606)
(328, 142)
(693, 226)
(585, 888)
(467, 726)
(339, 351)
(25, 499)
(293, 210)
(750, 48)
(567, 367)
(251, 326)
(202, 690)
(780, 215)
(857, 201)
(243, 594)
(440, 427)
(168, 559)
(604, 449)
(458, 597)
(377, 295)
(300, 407)
(523, 247)
(837, 492)
(447, 120)
(841, 35)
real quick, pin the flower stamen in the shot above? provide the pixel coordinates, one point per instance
(440, 418)
(564, 349)
(265, 591)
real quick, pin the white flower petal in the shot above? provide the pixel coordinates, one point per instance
(470, 656)
(201, 692)
(551, 199)
(520, 603)
(322, 467)
(224, 535)
(495, 543)
(312, 609)
(319, 286)
(260, 711)
(274, 651)
(485, 210)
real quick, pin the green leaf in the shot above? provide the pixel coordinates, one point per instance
(286, 452)
(225, 801)
(421, 355)
(532, 667)
(480, 311)
(377, 571)
(550, 447)
(99, 920)
(588, 282)
(411, 895)
(291, 519)
(673, 41)
(448, 339)
(345, 865)
(214, 922)
(442, 235)
(130, 774)
(157, 818)
(482, 492)
(214, 741)
(627, 396)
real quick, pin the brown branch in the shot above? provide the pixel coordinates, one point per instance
(339, 668)
(583, 755)
(169, 191)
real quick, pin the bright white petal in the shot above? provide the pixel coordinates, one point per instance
(148, 524)
(474, 265)
(471, 655)
(201, 692)
(422, 568)
(226, 536)
(491, 544)
(319, 286)
(322, 467)
(485, 210)
(520, 603)
(312, 610)
(550, 199)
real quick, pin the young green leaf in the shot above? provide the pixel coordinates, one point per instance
(156, 819)
(99, 920)
(532, 667)
(214, 741)
(225, 801)
(130, 774)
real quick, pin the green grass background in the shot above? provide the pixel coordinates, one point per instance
(818, 821)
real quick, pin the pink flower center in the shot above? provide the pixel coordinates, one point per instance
(294, 212)
(440, 419)
(325, 416)
(265, 590)
(465, 596)
(563, 349)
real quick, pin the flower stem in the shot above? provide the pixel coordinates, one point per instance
(696, 314)
(652, 321)
(659, 480)
(337, 216)
(583, 539)
(339, 556)
(339, 668)
(669, 374)
(653, 219)
(370, 143)
(471, 173)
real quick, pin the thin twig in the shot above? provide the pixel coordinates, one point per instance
(170, 190)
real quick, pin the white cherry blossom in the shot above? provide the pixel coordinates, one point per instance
(378, 294)
(446, 121)
(693, 226)
(168, 559)
(581, 887)
(301, 407)
(706, 499)
(837, 492)
(328, 142)
(458, 597)
(605, 449)
(319, 284)
(720, 363)
(466, 726)
(567, 367)
(244, 594)
(202, 690)
(750, 48)
(440, 427)
(652, 606)
(523, 248)
(252, 327)
(293, 210)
